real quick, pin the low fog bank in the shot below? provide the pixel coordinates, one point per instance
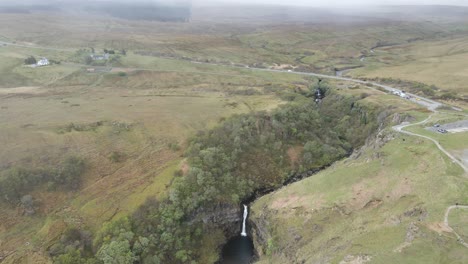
(160, 10)
(357, 14)
(228, 11)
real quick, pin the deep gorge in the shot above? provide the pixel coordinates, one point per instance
(243, 158)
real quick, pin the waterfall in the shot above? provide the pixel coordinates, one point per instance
(246, 212)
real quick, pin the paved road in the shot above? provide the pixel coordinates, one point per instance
(399, 128)
(430, 104)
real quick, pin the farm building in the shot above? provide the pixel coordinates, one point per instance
(100, 57)
(43, 62)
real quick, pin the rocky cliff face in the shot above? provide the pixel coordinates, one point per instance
(259, 232)
(263, 219)
(227, 217)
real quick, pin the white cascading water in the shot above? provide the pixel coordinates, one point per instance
(246, 212)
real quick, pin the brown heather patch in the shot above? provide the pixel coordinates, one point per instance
(294, 154)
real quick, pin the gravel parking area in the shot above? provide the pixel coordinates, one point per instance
(455, 127)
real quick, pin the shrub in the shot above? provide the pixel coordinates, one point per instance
(116, 157)
(364, 95)
(72, 256)
(174, 146)
(116, 252)
(30, 60)
(244, 154)
(449, 96)
(69, 173)
(88, 60)
(73, 245)
(17, 182)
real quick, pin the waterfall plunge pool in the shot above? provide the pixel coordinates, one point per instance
(239, 249)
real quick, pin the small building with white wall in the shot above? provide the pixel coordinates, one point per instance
(43, 62)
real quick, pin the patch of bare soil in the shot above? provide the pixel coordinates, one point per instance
(462, 155)
(361, 195)
(294, 154)
(290, 201)
(185, 167)
(295, 201)
(282, 67)
(373, 203)
(439, 227)
(126, 70)
(402, 188)
(412, 232)
(21, 90)
(359, 259)
(31, 256)
(465, 156)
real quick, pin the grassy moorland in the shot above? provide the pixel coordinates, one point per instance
(455, 143)
(130, 130)
(439, 63)
(386, 203)
(132, 120)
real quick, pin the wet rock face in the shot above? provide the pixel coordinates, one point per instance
(399, 118)
(259, 232)
(225, 216)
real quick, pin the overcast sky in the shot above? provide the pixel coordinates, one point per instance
(275, 2)
(343, 2)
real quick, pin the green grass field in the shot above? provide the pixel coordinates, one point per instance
(149, 102)
(367, 206)
(440, 63)
(142, 114)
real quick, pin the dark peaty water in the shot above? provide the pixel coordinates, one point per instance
(238, 250)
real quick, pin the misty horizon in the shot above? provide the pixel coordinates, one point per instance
(305, 3)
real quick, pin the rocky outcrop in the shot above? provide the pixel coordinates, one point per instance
(227, 217)
(260, 235)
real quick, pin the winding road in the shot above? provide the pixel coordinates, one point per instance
(446, 222)
(425, 102)
(430, 104)
(399, 128)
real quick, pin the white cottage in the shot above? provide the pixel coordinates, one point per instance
(43, 62)
(100, 57)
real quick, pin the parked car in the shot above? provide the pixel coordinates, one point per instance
(437, 125)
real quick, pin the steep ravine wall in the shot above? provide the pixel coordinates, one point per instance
(228, 218)
(258, 228)
(259, 221)
(223, 216)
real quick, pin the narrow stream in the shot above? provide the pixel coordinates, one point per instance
(239, 249)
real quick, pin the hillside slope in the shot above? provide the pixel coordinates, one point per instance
(386, 202)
